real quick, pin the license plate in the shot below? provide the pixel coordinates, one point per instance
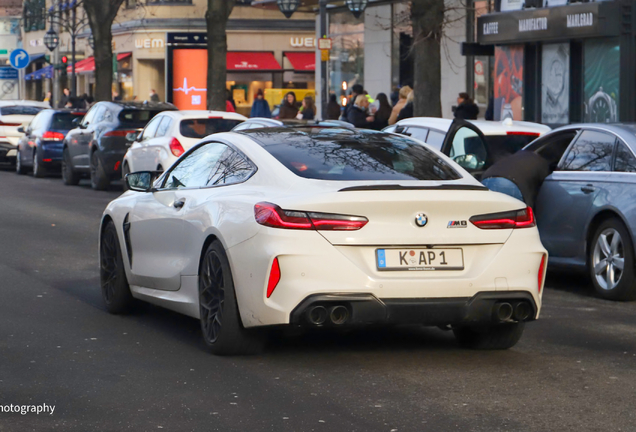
(431, 259)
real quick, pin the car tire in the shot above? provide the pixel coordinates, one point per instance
(99, 180)
(125, 170)
(611, 248)
(38, 169)
(496, 337)
(114, 285)
(19, 168)
(221, 326)
(69, 176)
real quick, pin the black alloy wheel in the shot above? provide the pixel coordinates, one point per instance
(38, 169)
(99, 180)
(19, 168)
(115, 288)
(221, 325)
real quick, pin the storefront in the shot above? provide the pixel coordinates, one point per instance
(562, 64)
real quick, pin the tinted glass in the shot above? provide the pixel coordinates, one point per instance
(417, 133)
(90, 116)
(331, 154)
(136, 118)
(625, 160)
(231, 167)
(163, 128)
(64, 121)
(504, 145)
(200, 128)
(196, 169)
(37, 121)
(467, 142)
(20, 110)
(592, 151)
(435, 139)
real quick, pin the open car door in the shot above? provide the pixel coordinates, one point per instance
(467, 146)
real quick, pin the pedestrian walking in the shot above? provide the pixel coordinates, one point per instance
(466, 108)
(308, 111)
(333, 108)
(356, 90)
(154, 97)
(383, 112)
(260, 107)
(48, 97)
(407, 111)
(288, 109)
(65, 99)
(402, 95)
(358, 115)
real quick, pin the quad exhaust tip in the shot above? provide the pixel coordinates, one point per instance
(522, 311)
(502, 311)
(338, 315)
(317, 315)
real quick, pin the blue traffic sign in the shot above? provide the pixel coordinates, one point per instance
(7, 73)
(20, 59)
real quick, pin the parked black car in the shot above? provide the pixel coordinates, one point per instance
(97, 146)
(40, 149)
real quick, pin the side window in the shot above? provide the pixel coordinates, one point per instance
(100, 115)
(232, 167)
(151, 128)
(417, 133)
(195, 170)
(435, 139)
(390, 129)
(592, 151)
(164, 127)
(468, 149)
(242, 126)
(625, 160)
(90, 115)
(107, 116)
(36, 122)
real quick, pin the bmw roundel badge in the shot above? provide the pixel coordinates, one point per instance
(421, 220)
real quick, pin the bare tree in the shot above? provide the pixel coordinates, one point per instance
(101, 15)
(217, 16)
(428, 21)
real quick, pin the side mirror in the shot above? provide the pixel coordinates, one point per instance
(141, 181)
(21, 129)
(132, 137)
(469, 162)
(76, 121)
(82, 125)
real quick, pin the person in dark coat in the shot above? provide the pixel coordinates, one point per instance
(230, 99)
(288, 109)
(407, 111)
(260, 107)
(333, 108)
(382, 114)
(309, 109)
(356, 90)
(65, 99)
(358, 115)
(466, 109)
(519, 175)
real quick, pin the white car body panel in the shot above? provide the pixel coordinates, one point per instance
(150, 154)
(10, 134)
(168, 242)
(486, 126)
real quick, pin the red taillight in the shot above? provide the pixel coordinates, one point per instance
(53, 136)
(117, 165)
(119, 133)
(176, 148)
(505, 220)
(541, 272)
(274, 278)
(271, 215)
(533, 134)
(47, 160)
(10, 124)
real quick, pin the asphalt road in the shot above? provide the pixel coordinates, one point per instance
(572, 371)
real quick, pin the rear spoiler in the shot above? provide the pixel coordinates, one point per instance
(381, 187)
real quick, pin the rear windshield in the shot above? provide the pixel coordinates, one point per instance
(137, 118)
(64, 121)
(361, 157)
(504, 145)
(200, 128)
(20, 110)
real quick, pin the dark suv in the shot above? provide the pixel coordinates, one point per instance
(40, 149)
(98, 145)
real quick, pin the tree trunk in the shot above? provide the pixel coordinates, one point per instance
(217, 16)
(427, 18)
(101, 14)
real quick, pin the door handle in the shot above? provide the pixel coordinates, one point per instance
(178, 204)
(588, 188)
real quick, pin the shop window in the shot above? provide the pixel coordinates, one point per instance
(602, 80)
(34, 14)
(347, 56)
(555, 84)
(508, 85)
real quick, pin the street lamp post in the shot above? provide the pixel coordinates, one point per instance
(288, 7)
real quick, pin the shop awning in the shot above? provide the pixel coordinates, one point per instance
(123, 56)
(302, 61)
(44, 73)
(83, 66)
(252, 61)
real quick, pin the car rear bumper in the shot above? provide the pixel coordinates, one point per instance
(366, 309)
(8, 152)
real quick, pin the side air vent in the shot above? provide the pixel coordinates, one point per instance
(127, 239)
